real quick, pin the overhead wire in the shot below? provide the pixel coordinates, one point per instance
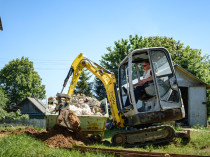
(41, 62)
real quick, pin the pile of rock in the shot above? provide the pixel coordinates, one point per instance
(52, 103)
(80, 105)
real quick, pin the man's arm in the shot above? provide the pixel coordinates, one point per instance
(143, 81)
(146, 80)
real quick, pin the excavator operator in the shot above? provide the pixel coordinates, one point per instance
(139, 91)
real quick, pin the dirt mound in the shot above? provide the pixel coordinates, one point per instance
(56, 137)
(59, 135)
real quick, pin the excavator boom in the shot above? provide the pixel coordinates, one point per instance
(107, 78)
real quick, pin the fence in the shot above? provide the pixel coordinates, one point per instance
(41, 123)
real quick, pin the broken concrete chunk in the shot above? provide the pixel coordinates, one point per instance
(86, 112)
(81, 101)
(98, 114)
(79, 104)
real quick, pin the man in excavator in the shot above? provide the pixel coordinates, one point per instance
(139, 91)
(161, 100)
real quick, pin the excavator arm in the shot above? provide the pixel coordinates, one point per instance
(107, 78)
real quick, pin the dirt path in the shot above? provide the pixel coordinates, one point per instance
(192, 129)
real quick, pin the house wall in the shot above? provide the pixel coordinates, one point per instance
(184, 80)
(29, 108)
(41, 123)
(197, 110)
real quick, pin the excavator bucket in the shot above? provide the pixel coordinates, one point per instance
(69, 120)
(89, 124)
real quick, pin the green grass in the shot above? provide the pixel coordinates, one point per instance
(178, 128)
(17, 127)
(198, 145)
(201, 127)
(11, 127)
(23, 145)
(26, 146)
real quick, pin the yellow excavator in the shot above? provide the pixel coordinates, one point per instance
(160, 102)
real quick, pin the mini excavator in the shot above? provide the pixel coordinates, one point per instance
(160, 102)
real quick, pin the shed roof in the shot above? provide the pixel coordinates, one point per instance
(37, 103)
(191, 75)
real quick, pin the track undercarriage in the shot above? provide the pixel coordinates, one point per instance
(141, 137)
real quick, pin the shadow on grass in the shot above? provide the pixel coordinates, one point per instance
(109, 133)
(185, 141)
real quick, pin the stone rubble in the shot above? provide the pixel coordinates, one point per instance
(80, 105)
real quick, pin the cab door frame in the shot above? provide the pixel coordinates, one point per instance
(162, 103)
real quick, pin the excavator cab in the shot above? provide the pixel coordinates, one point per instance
(161, 99)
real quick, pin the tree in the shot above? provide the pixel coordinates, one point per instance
(188, 58)
(99, 89)
(83, 86)
(3, 105)
(3, 99)
(19, 80)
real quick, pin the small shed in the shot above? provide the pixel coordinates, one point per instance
(34, 107)
(193, 92)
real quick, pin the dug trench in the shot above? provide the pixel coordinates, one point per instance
(58, 136)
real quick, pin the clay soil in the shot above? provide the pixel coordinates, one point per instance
(56, 137)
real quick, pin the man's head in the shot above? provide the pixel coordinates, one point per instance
(145, 65)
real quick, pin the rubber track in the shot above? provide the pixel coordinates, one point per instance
(150, 129)
(126, 153)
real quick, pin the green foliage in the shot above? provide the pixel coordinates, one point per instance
(188, 58)
(4, 115)
(83, 86)
(178, 128)
(99, 89)
(150, 148)
(3, 99)
(19, 80)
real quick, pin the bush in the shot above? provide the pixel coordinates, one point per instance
(12, 115)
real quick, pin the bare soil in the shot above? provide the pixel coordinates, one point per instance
(2, 135)
(56, 137)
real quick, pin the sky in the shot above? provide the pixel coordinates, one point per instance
(51, 33)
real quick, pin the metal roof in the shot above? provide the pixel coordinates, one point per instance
(37, 103)
(191, 75)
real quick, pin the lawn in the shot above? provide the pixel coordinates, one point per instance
(198, 145)
(23, 145)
